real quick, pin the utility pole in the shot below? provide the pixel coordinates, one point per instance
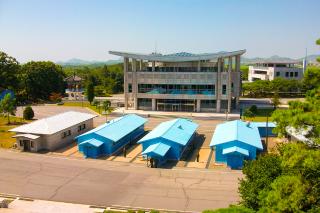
(267, 132)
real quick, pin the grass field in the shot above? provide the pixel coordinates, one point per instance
(6, 140)
(261, 115)
(82, 104)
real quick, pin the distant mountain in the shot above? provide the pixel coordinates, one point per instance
(310, 58)
(79, 62)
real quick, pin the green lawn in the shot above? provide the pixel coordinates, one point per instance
(6, 140)
(261, 115)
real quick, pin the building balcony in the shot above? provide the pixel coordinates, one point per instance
(74, 90)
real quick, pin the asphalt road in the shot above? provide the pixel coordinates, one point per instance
(99, 182)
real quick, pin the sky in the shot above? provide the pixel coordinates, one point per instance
(58, 30)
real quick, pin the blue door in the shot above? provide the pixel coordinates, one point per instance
(235, 161)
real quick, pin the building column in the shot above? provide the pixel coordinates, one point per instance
(218, 86)
(125, 81)
(153, 104)
(229, 84)
(199, 66)
(134, 84)
(141, 65)
(198, 105)
(239, 85)
(153, 66)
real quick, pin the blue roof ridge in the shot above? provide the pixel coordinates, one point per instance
(176, 120)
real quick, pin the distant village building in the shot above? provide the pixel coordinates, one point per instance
(75, 87)
(209, 82)
(270, 70)
(53, 132)
(111, 136)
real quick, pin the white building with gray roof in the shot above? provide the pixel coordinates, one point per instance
(52, 132)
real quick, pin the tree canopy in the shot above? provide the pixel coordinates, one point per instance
(9, 71)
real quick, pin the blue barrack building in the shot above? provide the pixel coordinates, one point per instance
(111, 136)
(168, 140)
(236, 141)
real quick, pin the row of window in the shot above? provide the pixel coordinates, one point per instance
(181, 69)
(66, 134)
(31, 143)
(292, 74)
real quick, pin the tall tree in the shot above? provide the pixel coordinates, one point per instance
(106, 107)
(42, 78)
(7, 106)
(90, 92)
(9, 70)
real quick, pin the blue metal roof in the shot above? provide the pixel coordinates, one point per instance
(119, 127)
(263, 124)
(159, 149)
(235, 149)
(236, 131)
(178, 130)
(93, 142)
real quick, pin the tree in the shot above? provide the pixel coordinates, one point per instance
(311, 78)
(106, 107)
(254, 109)
(42, 78)
(7, 106)
(9, 71)
(28, 113)
(90, 90)
(275, 100)
(248, 113)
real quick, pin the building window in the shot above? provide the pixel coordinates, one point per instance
(31, 144)
(287, 74)
(66, 133)
(130, 88)
(224, 89)
(21, 143)
(291, 74)
(277, 74)
(69, 132)
(295, 74)
(81, 127)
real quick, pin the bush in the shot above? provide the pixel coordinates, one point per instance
(28, 113)
(254, 109)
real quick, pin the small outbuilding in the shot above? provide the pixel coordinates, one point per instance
(111, 136)
(168, 140)
(52, 132)
(264, 128)
(236, 141)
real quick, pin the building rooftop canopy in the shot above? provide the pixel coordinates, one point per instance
(237, 131)
(178, 130)
(117, 128)
(177, 57)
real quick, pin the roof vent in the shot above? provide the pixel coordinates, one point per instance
(180, 127)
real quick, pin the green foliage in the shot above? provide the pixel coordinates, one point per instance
(231, 209)
(275, 100)
(312, 78)
(318, 43)
(301, 115)
(254, 109)
(285, 181)
(259, 175)
(28, 113)
(7, 106)
(258, 89)
(9, 72)
(248, 113)
(41, 79)
(90, 92)
(106, 79)
(245, 70)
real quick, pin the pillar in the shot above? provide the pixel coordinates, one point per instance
(239, 85)
(141, 65)
(229, 91)
(153, 66)
(198, 105)
(218, 86)
(199, 66)
(153, 104)
(125, 81)
(134, 84)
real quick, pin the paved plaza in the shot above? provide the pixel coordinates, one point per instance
(107, 183)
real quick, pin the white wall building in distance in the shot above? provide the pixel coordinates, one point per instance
(270, 70)
(53, 132)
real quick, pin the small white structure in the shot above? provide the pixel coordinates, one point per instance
(53, 132)
(272, 69)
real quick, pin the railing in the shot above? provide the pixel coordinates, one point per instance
(177, 92)
(180, 69)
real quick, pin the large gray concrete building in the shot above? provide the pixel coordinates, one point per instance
(208, 82)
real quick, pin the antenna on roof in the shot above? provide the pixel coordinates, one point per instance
(155, 47)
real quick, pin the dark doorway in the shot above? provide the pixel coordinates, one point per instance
(26, 145)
